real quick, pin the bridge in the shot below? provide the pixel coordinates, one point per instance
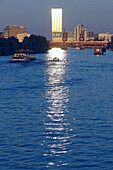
(80, 44)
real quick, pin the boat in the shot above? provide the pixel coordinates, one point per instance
(56, 59)
(82, 48)
(77, 48)
(99, 51)
(22, 57)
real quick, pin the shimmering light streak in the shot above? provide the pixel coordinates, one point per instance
(56, 52)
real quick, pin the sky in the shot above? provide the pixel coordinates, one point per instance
(35, 15)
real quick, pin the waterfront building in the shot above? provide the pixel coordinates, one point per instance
(56, 21)
(57, 36)
(80, 33)
(96, 37)
(63, 36)
(1, 35)
(75, 34)
(90, 36)
(18, 32)
(70, 36)
(56, 18)
(21, 36)
(105, 36)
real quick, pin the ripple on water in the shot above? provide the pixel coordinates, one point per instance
(57, 115)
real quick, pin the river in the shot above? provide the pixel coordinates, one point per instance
(57, 115)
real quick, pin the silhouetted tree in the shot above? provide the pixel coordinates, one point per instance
(14, 44)
(9, 46)
(38, 44)
(2, 46)
(112, 42)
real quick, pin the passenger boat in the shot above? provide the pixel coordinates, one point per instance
(21, 57)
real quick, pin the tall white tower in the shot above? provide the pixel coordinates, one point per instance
(56, 19)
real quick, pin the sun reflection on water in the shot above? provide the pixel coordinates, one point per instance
(56, 52)
(56, 123)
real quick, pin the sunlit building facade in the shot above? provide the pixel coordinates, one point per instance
(18, 32)
(105, 36)
(80, 30)
(57, 36)
(21, 36)
(56, 20)
(13, 30)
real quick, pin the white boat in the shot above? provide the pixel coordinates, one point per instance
(21, 57)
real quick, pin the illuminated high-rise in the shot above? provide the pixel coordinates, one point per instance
(56, 19)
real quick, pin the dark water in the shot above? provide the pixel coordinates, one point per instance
(57, 115)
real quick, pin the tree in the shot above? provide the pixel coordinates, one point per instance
(13, 44)
(112, 42)
(37, 44)
(9, 46)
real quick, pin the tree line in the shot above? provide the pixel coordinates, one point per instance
(34, 43)
(112, 43)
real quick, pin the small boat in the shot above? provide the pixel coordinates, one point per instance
(82, 48)
(21, 57)
(99, 51)
(56, 59)
(77, 48)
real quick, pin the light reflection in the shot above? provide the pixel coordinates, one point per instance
(57, 52)
(57, 128)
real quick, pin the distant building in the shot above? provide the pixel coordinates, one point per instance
(96, 37)
(63, 36)
(57, 36)
(80, 33)
(21, 36)
(81, 36)
(90, 36)
(56, 21)
(105, 36)
(70, 36)
(18, 32)
(1, 35)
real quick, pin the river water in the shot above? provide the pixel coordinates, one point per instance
(57, 115)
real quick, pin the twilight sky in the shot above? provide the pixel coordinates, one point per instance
(35, 15)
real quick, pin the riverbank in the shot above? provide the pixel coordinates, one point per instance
(36, 44)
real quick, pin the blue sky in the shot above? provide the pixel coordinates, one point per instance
(35, 15)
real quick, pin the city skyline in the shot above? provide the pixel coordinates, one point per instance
(36, 15)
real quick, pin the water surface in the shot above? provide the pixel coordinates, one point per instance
(57, 115)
